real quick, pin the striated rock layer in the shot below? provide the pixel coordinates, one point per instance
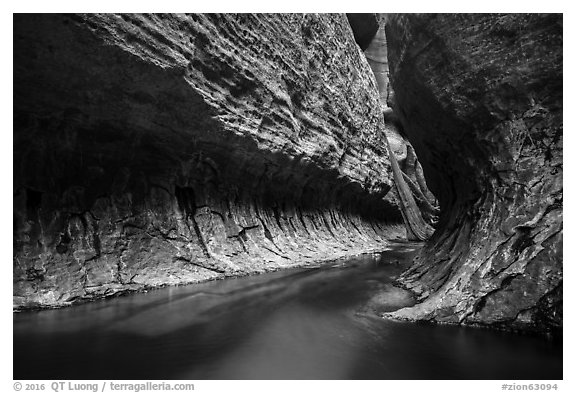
(168, 149)
(480, 98)
(418, 205)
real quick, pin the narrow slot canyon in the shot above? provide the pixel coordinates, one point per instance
(147, 158)
(266, 184)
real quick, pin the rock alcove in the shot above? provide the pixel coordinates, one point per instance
(170, 149)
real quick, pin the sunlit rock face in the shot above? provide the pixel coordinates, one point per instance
(480, 98)
(418, 205)
(153, 150)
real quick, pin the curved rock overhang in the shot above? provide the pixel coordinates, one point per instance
(480, 98)
(167, 149)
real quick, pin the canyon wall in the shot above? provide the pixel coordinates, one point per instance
(480, 98)
(169, 149)
(418, 205)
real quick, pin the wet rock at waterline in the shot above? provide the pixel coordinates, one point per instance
(480, 99)
(170, 149)
(302, 323)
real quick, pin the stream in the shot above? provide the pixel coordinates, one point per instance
(301, 323)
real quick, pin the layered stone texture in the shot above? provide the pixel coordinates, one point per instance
(418, 205)
(480, 98)
(169, 149)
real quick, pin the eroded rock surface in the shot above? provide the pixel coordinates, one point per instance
(480, 98)
(418, 205)
(152, 150)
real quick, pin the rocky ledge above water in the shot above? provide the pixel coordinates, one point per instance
(480, 98)
(168, 149)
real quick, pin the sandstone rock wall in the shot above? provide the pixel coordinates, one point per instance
(418, 205)
(480, 98)
(166, 149)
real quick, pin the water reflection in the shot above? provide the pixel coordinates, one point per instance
(294, 324)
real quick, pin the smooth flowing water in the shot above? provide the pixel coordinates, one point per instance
(312, 323)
